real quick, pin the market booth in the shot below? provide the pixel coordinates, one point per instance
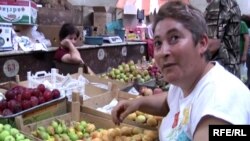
(41, 98)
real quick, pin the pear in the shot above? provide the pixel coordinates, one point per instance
(54, 123)
(50, 130)
(65, 137)
(43, 135)
(73, 136)
(58, 129)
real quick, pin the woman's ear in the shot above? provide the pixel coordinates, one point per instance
(203, 44)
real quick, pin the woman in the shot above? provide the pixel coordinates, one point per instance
(201, 92)
(67, 52)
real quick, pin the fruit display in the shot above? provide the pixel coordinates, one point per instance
(143, 118)
(145, 91)
(20, 98)
(57, 130)
(8, 133)
(128, 72)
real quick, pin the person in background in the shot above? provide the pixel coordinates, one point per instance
(245, 41)
(201, 92)
(67, 52)
(223, 19)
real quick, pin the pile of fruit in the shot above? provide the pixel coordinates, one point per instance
(20, 98)
(128, 72)
(8, 133)
(143, 118)
(145, 91)
(84, 131)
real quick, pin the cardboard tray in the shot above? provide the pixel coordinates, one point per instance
(90, 106)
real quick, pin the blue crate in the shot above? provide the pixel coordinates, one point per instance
(93, 40)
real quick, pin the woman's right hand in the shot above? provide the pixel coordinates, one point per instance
(123, 109)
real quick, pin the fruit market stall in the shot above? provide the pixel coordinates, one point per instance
(99, 58)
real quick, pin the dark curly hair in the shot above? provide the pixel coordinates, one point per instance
(68, 29)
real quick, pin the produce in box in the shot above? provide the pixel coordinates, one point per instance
(8, 133)
(20, 98)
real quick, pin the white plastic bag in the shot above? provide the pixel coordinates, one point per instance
(243, 72)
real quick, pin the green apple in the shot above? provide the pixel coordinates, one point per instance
(14, 131)
(1, 127)
(9, 138)
(4, 134)
(19, 136)
(7, 127)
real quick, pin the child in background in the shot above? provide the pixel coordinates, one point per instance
(67, 52)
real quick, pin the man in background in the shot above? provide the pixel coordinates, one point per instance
(223, 19)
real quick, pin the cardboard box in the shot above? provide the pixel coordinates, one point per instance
(5, 36)
(90, 106)
(50, 16)
(51, 32)
(18, 11)
(101, 16)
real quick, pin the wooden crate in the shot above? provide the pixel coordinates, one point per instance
(74, 115)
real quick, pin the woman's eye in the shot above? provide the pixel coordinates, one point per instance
(173, 39)
(157, 44)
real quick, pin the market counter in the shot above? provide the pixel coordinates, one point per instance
(100, 58)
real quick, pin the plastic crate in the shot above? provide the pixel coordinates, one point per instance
(93, 40)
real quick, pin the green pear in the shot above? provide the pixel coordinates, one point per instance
(59, 129)
(54, 123)
(73, 136)
(43, 135)
(50, 130)
(41, 128)
(65, 137)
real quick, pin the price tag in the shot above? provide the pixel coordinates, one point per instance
(124, 51)
(11, 68)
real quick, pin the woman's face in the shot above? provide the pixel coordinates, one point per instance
(175, 52)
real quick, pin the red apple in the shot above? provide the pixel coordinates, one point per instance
(10, 94)
(3, 105)
(47, 95)
(41, 99)
(26, 94)
(18, 97)
(34, 101)
(12, 104)
(55, 93)
(41, 88)
(36, 92)
(17, 108)
(7, 112)
(26, 104)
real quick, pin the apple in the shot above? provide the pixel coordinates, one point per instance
(7, 127)
(10, 94)
(4, 134)
(7, 112)
(47, 95)
(14, 131)
(41, 88)
(26, 94)
(12, 104)
(26, 104)
(55, 93)
(3, 105)
(19, 136)
(36, 92)
(34, 101)
(17, 108)
(18, 97)
(41, 99)
(1, 127)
